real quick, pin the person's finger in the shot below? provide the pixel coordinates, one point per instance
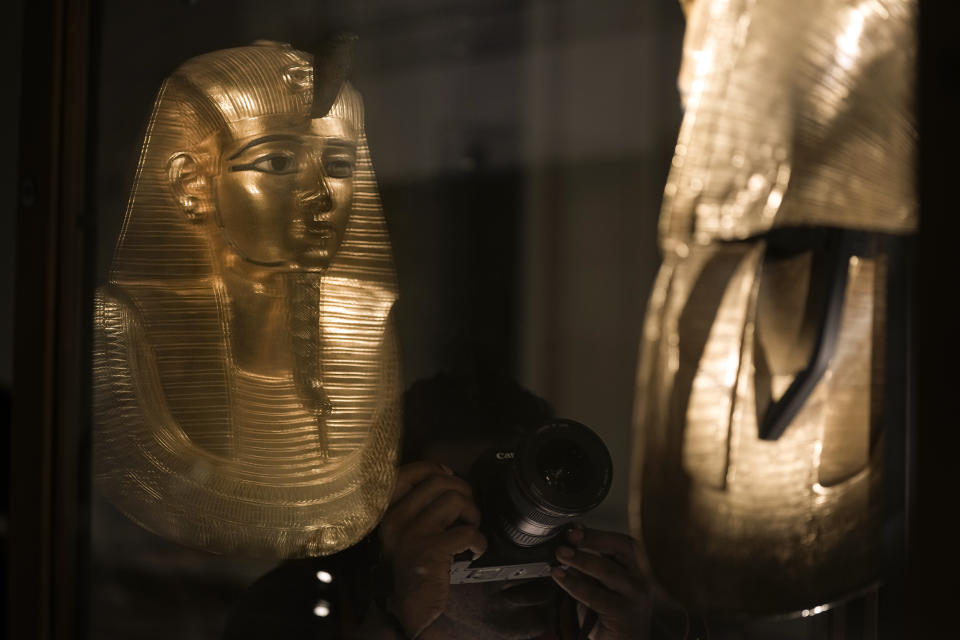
(460, 538)
(408, 509)
(410, 475)
(447, 509)
(607, 572)
(432, 556)
(620, 547)
(589, 592)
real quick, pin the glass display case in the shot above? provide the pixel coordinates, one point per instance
(271, 257)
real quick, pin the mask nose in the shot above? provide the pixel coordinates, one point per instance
(316, 197)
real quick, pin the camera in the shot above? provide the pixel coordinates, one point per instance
(527, 490)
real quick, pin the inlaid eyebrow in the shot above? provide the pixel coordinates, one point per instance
(340, 142)
(271, 138)
(333, 142)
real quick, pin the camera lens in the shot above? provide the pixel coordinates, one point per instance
(563, 466)
(561, 471)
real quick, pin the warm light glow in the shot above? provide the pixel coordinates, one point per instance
(322, 610)
(325, 577)
(848, 42)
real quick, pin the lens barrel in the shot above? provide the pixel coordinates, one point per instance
(561, 471)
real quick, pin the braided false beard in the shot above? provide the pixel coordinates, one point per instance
(304, 299)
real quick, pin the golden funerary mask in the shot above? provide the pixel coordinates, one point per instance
(773, 349)
(246, 376)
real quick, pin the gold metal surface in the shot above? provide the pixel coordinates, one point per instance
(246, 376)
(797, 115)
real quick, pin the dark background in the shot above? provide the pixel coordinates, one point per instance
(10, 45)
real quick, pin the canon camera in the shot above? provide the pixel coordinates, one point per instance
(527, 490)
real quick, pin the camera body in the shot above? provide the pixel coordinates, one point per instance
(528, 489)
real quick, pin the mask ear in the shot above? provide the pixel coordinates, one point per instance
(190, 185)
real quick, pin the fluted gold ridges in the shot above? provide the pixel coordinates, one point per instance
(208, 427)
(797, 115)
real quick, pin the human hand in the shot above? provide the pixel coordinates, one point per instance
(603, 575)
(432, 517)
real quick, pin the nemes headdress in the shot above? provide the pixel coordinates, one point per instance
(187, 443)
(764, 397)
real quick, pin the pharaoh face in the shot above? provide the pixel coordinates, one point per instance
(232, 280)
(283, 196)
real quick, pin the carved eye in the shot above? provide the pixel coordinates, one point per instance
(277, 163)
(338, 167)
